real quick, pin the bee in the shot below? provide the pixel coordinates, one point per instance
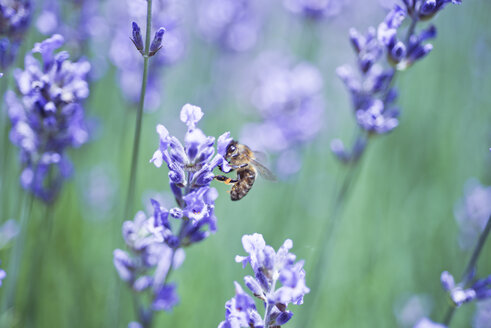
(243, 160)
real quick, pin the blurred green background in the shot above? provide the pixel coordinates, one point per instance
(397, 231)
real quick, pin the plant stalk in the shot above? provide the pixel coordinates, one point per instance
(139, 117)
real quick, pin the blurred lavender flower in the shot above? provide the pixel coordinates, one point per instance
(410, 310)
(314, 9)
(2, 275)
(289, 100)
(8, 231)
(145, 269)
(482, 318)
(157, 242)
(380, 53)
(480, 290)
(166, 13)
(85, 30)
(427, 323)
(49, 117)
(472, 212)
(15, 17)
(232, 24)
(269, 268)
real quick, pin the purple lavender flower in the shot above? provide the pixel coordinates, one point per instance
(156, 243)
(380, 53)
(81, 24)
(427, 323)
(472, 212)
(482, 317)
(233, 24)
(166, 13)
(15, 17)
(269, 268)
(49, 117)
(2, 275)
(148, 263)
(480, 290)
(289, 100)
(314, 9)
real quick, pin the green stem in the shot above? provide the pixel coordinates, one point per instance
(468, 273)
(40, 252)
(139, 116)
(327, 231)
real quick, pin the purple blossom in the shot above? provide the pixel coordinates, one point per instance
(288, 98)
(146, 265)
(427, 323)
(48, 117)
(314, 9)
(270, 268)
(232, 24)
(472, 212)
(2, 275)
(459, 294)
(156, 243)
(122, 53)
(15, 17)
(380, 53)
(482, 317)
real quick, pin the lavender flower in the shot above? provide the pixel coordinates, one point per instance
(380, 53)
(15, 17)
(459, 294)
(145, 269)
(427, 323)
(166, 13)
(289, 100)
(472, 212)
(314, 9)
(269, 267)
(49, 117)
(81, 24)
(482, 317)
(157, 242)
(232, 24)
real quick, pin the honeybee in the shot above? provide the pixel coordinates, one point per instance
(243, 160)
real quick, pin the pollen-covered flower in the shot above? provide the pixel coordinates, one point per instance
(472, 212)
(49, 116)
(15, 17)
(288, 98)
(270, 269)
(232, 24)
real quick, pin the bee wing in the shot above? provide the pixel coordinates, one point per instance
(263, 171)
(260, 156)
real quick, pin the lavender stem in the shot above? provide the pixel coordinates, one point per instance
(139, 116)
(467, 276)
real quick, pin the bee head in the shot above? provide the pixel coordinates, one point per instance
(232, 150)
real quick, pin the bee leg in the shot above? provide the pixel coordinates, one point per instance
(235, 167)
(225, 179)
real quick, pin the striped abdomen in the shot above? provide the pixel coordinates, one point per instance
(245, 177)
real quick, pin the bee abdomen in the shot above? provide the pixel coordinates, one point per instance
(246, 178)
